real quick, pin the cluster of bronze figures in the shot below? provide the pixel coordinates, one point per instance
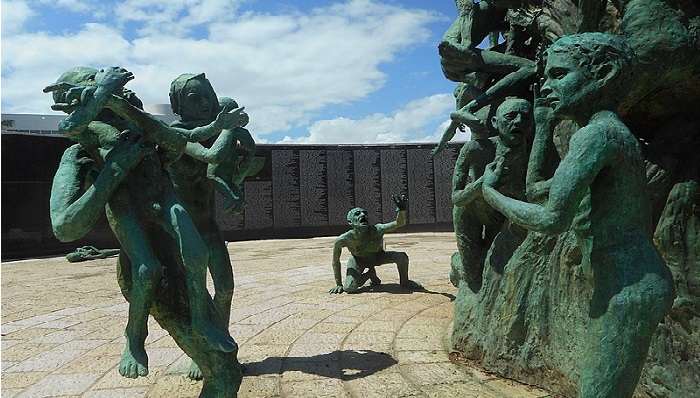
(553, 174)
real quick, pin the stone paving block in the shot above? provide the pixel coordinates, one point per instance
(411, 330)
(404, 344)
(383, 385)
(358, 364)
(327, 388)
(301, 369)
(321, 338)
(263, 367)
(513, 389)
(20, 380)
(62, 323)
(10, 392)
(6, 364)
(255, 352)
(58, 385)
(23, 351)
(60, 336)
(46, 361)
(139, 392)
(370, 337)
(461, 390)
(162, 356)
(106, 350)
(71, 311)
(392, 313)
(9, 329)
(82, 345)
(119, 340)
(276, 335)
(113, 380)
(477, 374)
(36, 320)
(298, 321)
(318, 313)
(91, 364)
(25, 333)
(245, 331)
(428, 356)
(5, 344)
(261, 387)
(313, 351)
(121, 308)
(345, 317)
(162, 342)
(377, 325)
(444, 310)
(427, 374)
(332, 327)
(105, 327)
(268, 317)
(174, 386)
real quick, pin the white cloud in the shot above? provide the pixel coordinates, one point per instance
(175, 17)
(414, 122)
(71, 5)
(284, 68)
(15, 15)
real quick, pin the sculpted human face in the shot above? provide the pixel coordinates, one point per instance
(568, 86)
(357, 217)
(513, 121)
(198, 101)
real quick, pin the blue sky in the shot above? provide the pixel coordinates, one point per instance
(352, 71)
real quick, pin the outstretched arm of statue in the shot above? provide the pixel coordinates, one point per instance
(75, 209)
(588, 154)
(401, 202)
(92, 99)
(226, 119)
(214, 154)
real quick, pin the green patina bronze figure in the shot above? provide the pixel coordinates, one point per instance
(365, 243)
(208, 166)
(536, 298)
(476, 223)
(511, 66)
(119, 165)
(193, 98)
(86, 253)
(472, 86)
(586, 77)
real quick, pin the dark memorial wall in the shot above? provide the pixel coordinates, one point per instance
(300, 191)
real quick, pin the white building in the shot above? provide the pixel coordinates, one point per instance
(48, 124)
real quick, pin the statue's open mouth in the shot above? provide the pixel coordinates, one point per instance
(363, 220)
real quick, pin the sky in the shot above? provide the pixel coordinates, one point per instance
(307, 71)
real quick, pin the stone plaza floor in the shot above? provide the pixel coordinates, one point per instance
(62, 329)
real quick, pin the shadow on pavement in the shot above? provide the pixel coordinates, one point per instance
(343, 365)
(395, 288)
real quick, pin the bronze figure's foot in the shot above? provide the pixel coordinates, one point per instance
(134, 361)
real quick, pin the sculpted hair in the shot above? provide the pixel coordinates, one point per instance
(79, 76)
(178, 86)
(594, 50)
